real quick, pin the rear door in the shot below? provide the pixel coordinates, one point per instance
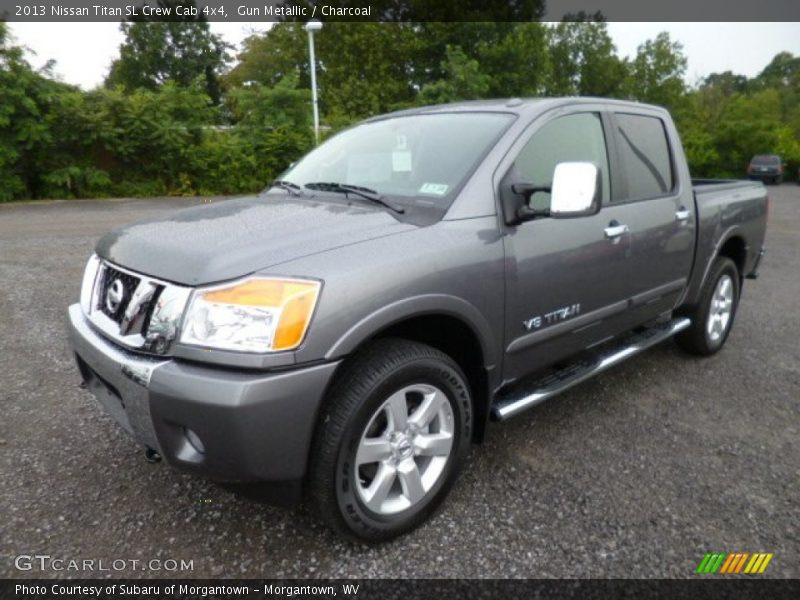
(657, 208)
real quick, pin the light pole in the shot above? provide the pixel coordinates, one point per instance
(311, 27)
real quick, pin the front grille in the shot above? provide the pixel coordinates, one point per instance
(150, 307)
(135, 310)
(115, 311)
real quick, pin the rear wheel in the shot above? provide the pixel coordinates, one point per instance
(394, 432)
(713, 316)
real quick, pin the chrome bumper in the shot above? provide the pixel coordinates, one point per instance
(119, 379)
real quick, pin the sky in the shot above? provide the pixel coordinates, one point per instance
(744, 48)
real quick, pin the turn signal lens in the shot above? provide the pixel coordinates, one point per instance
(294, 299)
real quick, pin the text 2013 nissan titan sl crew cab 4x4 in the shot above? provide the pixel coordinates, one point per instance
(349, 332)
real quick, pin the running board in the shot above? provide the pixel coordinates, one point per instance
(539, 390)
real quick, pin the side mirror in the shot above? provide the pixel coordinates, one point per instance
(575, 191)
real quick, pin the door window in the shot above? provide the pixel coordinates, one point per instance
(644, 155)
(576, 137)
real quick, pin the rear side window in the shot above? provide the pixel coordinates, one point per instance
(644, 154)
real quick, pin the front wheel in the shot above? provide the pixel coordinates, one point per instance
(713, 316)
(395, 429)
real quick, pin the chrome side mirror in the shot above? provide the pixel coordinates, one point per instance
(575, 190)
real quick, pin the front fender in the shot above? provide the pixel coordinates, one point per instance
(428, 304)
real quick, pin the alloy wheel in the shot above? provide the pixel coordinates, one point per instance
(404, 449)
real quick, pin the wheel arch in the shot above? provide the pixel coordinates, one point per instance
(735, 248)
(446, 323)
(731, 244)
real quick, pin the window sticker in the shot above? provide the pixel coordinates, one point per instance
(401, 161)
(435, 189)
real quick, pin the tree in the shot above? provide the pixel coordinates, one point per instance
(59, 141)
(463, 80)
(363, 68)
(782, 71)
(260, 107)
(697, 130)
(157, 50)
(583, 59)
(36, 127)
(517, 64)
(15, 74)
(728, 83)
(656, 74)
(369, 68)
(266, 58)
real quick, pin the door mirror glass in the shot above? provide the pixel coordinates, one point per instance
(575, 190)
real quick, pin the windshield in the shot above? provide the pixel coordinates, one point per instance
(765, 159)
(408, 157)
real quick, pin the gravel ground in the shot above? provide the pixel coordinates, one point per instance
(636, 473)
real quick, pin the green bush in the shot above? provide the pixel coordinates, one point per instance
(76, 182)
(57, 141)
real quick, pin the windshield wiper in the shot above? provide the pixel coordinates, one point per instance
(292, 188)
(362, 192)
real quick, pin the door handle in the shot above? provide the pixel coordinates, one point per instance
(682, 214)
(614, 230)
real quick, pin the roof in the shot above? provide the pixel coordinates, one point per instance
(517, 106)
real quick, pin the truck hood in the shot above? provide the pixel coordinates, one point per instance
(230, 239)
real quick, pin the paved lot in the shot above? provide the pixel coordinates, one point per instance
(637, 473)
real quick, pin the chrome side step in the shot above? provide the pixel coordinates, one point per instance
(556, 382)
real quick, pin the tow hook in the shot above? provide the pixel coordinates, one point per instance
(152, 456)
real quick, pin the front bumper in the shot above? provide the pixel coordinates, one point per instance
(251, 426)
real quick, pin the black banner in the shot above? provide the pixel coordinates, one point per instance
(395, 10)
(390, 589)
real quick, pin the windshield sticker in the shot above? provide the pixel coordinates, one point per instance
(436, 189)
(401, 161)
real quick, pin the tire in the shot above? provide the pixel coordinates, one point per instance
(713, 316)
(363, 414)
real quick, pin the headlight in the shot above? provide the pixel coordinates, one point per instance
(254, 315)
(87, 285)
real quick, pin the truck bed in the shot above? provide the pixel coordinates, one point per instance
(705, 186)
(728, 210)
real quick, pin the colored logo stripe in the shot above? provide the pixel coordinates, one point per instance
(734, 563)
(758, 563)
(727, 564)
(710, 563)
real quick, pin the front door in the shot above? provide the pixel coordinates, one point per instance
(567, 280)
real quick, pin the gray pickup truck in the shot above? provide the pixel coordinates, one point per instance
(347, 334)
